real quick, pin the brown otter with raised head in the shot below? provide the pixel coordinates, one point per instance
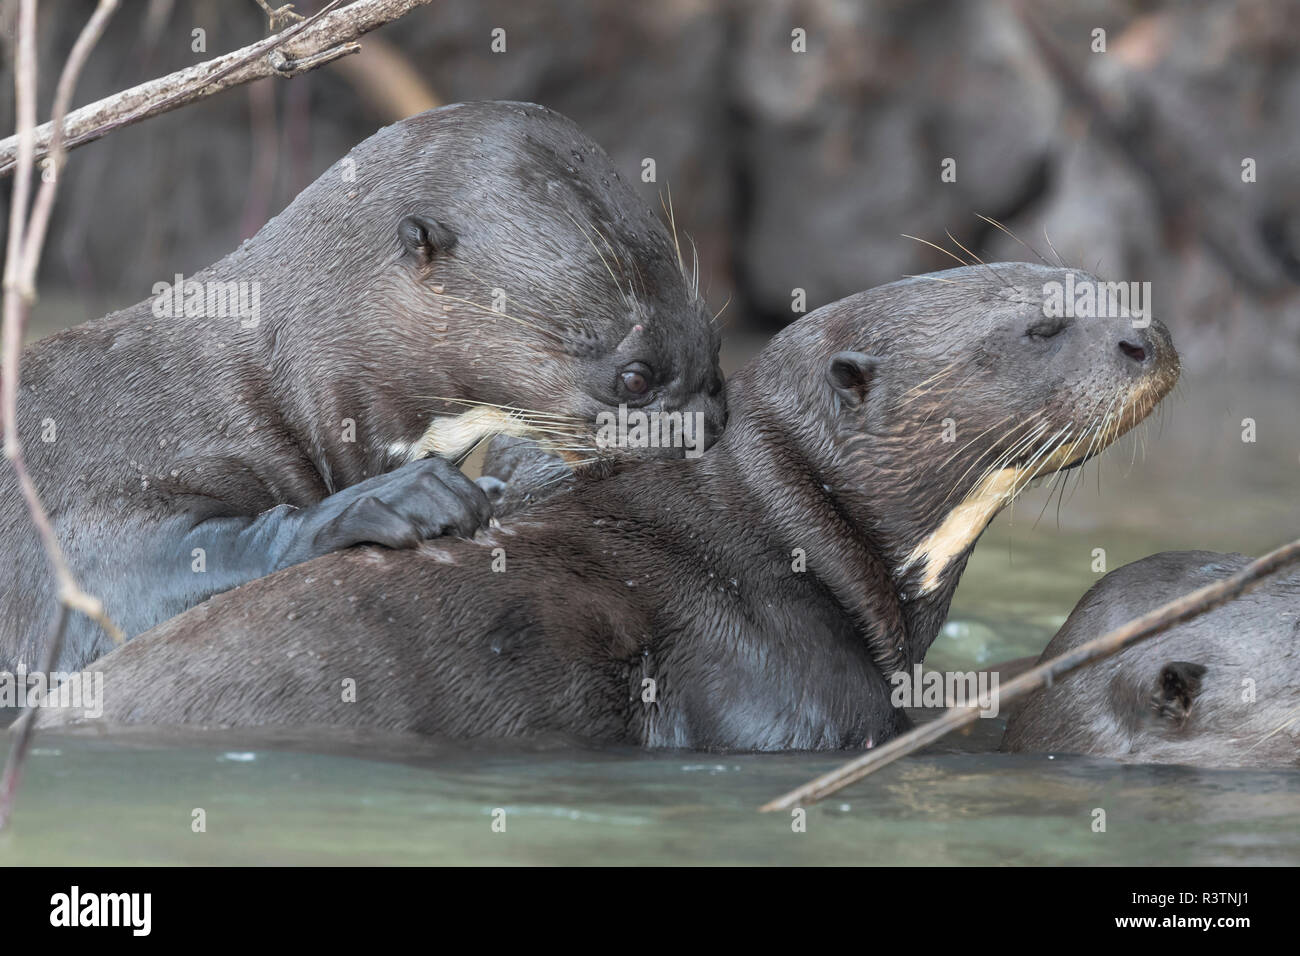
(756, 598)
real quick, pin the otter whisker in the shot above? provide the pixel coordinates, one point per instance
(1051, 490)
(452, 437)
(996, 424)
(948, 233)
(908, 275)
(718, 314)
(939, 406)
(946, 370)
(998, 225)
(951, 255)
(695, 266)
(1098, 427)
(1000, 439)
(636, 268)
(1004, 459)
(532, 414)
(1105, 435)
(491, 311)
(625, 295)
(1136, 438)
(1288, 719)
(995, 272)
(1022, 474)
(1093, 432)
(1059, 260)
(1061, 479)
(1045, 455)
(527, 310)
(516, 408)
(672, 222)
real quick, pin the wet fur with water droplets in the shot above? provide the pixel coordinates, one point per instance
(755, 598)
(480, 256)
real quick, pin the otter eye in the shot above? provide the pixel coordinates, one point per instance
(635, 379)
(1046, 328)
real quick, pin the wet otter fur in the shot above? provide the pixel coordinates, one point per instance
(1220, 690)
(483, 257)
(756, 598)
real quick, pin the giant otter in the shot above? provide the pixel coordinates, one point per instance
(755, 598)
(1220, 690)
(486, 253)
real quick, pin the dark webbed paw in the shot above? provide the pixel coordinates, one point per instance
(423, 499)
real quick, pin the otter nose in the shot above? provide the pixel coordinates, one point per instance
(1136, 352)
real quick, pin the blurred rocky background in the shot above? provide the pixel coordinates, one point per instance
(788, 169)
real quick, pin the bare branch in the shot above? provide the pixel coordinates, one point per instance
(34, 241)
(326, 37)
(1180, 609)
(319, 39)
(23, 726)
(20, 281)
(26, 237)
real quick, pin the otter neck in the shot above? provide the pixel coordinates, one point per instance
(898, 595)
(786, 495)
(930, 543)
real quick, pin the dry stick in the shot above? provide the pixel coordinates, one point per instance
(22, 728)
(26, 237)
(1180, 609)
(323, 37)
(26, 234)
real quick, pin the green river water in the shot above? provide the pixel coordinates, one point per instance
(130, 800)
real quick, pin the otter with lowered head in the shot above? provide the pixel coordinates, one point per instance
(1220, 690)
(756, 598)
(278, 405)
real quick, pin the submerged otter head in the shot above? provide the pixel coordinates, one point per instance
(1219, 690)
(925, 406)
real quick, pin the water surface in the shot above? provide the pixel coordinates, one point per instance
(130, 800)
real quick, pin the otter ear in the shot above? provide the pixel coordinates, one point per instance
(425, 238)
(850, 374)
(1177, 686)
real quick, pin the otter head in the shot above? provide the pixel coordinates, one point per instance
(940, 398)
(534, 289)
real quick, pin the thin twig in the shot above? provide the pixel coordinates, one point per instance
(20, 278)
(323, 37)
(1180, 609)
(34, 241)
(22, 728)
(25, 240)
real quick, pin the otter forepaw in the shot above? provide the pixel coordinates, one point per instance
(423, 499)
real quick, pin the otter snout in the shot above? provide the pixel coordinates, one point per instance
(1148, 348)
(1137, 353)
(1161, 354)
